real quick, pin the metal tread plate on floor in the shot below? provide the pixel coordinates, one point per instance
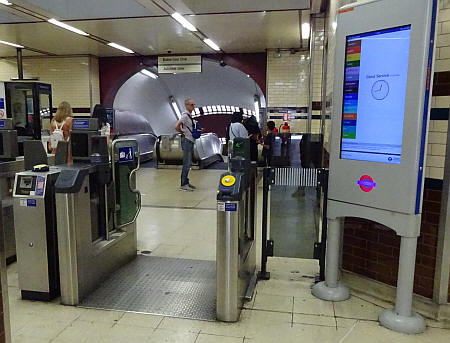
(160, 285)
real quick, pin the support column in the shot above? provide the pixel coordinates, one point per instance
(402, 318)
(19, 64)
(312, 36)
(331, 289)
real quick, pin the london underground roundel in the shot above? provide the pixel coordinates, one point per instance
(366, 183)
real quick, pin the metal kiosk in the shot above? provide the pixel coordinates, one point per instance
(236, 245)
(379, 135)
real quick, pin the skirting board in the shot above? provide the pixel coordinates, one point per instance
(384, 295)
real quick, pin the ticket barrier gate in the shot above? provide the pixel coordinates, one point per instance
(77, 220)
(236, 245)
(96, 208)
(316, 178)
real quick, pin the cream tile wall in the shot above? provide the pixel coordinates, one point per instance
(437, 132)
(73, 79)
(437, 139)
(287, 79)
(297, 125)
(318, 58)
(94, 80)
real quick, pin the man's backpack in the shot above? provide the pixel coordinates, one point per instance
(196, 129)
(57, 135)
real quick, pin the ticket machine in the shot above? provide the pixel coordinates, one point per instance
(36, 239)
(382, 89)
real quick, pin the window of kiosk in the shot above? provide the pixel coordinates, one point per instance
(375, 80)
(22, 110)
(45, 111)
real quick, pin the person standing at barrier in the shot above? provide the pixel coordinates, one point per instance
(60, 126)
(236, 128)
(254, 132)
(102, 116)
(185, 126)
(268, 143)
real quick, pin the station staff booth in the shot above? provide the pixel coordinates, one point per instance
(25, 111)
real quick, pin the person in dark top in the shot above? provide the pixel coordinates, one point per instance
(103, 125)
(254, 133)
(268, 142)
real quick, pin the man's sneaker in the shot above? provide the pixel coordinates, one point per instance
(185, 188)
(191, 186)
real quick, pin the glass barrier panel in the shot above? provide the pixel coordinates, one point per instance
(126, 162)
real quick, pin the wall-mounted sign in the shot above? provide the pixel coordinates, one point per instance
(288, 116)
(179, 64)
(366, 183)
(126, 154)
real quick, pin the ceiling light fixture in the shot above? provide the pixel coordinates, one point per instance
(120, 47)
(149, 73)
(12, 44)
(67, 27)
(305, 30)
(211, 44)
(175, 107)
(256, 99)
(5, 2)
(183, 21)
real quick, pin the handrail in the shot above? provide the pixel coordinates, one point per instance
(130, 178)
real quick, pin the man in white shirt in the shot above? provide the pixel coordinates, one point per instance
(185, 126)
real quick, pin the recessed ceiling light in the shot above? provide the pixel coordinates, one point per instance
(120, 47)
(149, 73)
(5, 2)
(211, 44)
(12, 44)
(183, 21)
(67, 27)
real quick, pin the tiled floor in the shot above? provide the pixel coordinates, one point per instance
(184, 225)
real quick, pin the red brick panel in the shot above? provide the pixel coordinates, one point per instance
(372, 250)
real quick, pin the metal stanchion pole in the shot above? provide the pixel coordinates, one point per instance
(402, 318)
(264, 274)
(331, 289)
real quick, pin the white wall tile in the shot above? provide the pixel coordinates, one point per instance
(437, 138)
(442, 101)
(69, 77)
(439, 125)
(436, 173)
(438, 149)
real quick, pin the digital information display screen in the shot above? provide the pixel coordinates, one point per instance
(375, 79)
